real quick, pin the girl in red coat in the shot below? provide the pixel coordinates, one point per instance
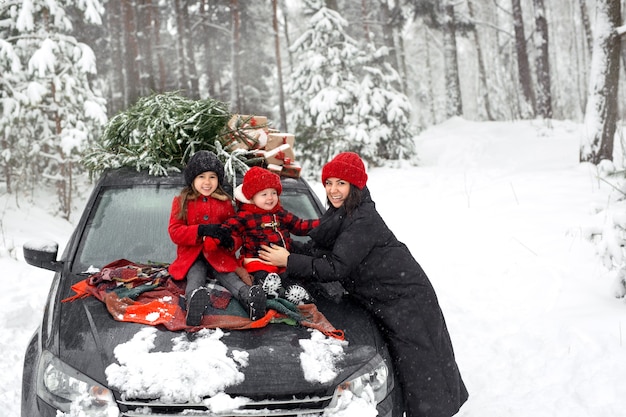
(196, 216)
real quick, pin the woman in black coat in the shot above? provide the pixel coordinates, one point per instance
(354, 246)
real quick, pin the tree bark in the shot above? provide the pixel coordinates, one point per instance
(183, 80)
(386, 19)
(235, 95)
(286, 35)
(156, 39)
(454, 105)
(523, 67)
(144, 37)
(131, 72)
(209, 62)
(586, 25)
(623, 44)
(279, 66)
(365, 20)
(544, 95)
(601, 112)
(482, 73)
(190, 60)
(116, 75)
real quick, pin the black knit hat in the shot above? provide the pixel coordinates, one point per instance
(200, 162)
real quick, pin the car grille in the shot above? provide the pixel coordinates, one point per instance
(270, 408)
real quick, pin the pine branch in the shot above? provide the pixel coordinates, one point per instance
(159, 133)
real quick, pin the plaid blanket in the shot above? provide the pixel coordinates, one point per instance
(147, 294)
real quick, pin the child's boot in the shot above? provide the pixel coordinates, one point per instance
(297, 294)
(255, 300)
(272, 285)
(197, 303)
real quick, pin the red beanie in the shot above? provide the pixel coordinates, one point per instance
(258, 179)
(347, 166)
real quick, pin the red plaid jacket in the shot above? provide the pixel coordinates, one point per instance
(254, 226)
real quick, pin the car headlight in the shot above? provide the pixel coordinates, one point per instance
(373, 381)
(64, 388)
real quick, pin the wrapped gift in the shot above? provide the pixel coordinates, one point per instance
(279, 147)
(276, 169)
(246, 132)
(291, 169)
(239, 121)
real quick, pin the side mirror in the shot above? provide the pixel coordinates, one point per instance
(43, 254)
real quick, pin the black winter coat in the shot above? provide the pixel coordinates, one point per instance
(361, 252)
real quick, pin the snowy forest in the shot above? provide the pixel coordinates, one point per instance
(365, 76)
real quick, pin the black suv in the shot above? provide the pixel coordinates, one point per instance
(126, 217)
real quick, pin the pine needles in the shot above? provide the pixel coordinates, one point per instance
(160, 133)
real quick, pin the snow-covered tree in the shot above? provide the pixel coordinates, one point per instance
(601, 111)
(379, 127)
(50, 107)
(343, 96)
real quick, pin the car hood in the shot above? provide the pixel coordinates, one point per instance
(88, 336)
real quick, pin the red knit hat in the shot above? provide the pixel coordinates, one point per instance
(347, 166)
(258, 179)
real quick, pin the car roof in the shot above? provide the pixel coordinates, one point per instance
(128, 175)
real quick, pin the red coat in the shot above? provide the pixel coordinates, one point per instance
(184, 234)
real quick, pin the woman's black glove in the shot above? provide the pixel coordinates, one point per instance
(218, 232)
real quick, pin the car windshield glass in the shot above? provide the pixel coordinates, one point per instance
(128, 223)
(302, 205)
(299, 203)
(131, 223)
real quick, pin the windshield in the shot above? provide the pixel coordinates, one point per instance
(131, 223)
(128, 223)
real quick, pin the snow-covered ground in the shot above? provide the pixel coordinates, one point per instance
(499, 216)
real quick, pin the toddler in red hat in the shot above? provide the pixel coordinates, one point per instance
(261, 220)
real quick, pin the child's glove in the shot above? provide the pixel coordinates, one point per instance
(225, 238)
(218, 232)
(210, 243)
(208, 230)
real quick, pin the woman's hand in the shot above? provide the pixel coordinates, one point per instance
(274, 254)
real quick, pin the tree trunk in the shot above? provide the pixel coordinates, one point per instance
(601, 112)
(386, 19)
(402, 63)
(131, 72)
(190, 60)
(279, 66)
(398, 21)
(235, 96)
(156, 39)
(586, 25)
(482, 73)
(183, 80)
(544, 95)
(429, 80)
(286, 35)
(454, 105)
(207, 38)
(116, 79)
(365, 20)
(144, 36)
(523, 67)
(623, 44)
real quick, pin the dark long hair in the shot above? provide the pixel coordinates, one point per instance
(352, 201)
(190, 193)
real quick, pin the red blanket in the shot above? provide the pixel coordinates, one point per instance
(147, 294)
